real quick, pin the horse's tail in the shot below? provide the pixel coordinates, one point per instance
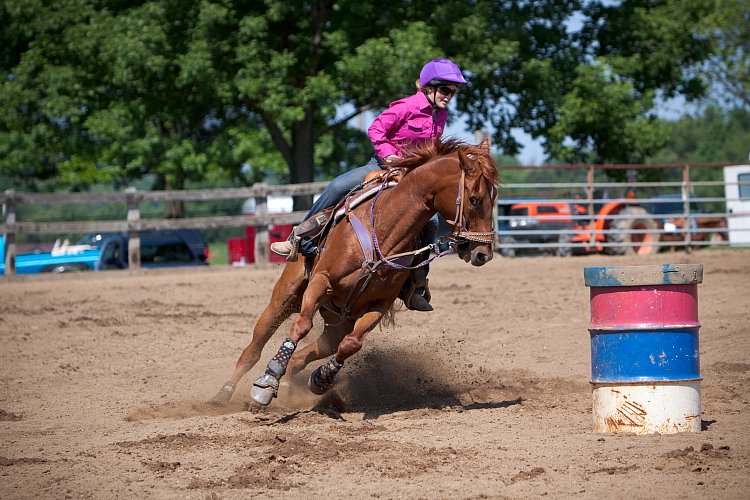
(389, 318)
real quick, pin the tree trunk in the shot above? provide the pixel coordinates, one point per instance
(174, 209)
(301, 168)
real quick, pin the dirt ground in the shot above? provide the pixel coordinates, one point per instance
(106, 378)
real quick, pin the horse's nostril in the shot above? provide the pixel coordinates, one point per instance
(482, 258)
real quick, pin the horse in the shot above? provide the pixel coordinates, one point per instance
(355, 278)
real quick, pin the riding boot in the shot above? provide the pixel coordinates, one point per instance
(419, 298)
(288, 248)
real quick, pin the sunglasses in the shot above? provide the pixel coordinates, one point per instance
(445, 90)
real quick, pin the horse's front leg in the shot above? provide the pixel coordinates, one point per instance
(321, 380)
(285, 300)
(266, 387)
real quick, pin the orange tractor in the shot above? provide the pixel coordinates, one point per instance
(620, 227)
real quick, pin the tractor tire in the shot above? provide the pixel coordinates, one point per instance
(645, 243)
(506, 246)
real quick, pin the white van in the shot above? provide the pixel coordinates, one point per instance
(737, 192)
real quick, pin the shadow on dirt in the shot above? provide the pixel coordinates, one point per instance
(387, 381)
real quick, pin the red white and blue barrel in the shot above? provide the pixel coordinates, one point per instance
(645, 366)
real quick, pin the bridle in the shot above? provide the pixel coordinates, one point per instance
(460, 235)
(459, 222)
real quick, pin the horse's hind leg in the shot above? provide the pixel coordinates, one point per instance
(323, 377)
(285, 300)
(266, 386)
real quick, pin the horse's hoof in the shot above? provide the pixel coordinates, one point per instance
(262, 395)
(224, 395)
(315, 385)
(265, 389)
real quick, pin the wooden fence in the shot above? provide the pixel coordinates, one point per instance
(580, 193)
(133, 223)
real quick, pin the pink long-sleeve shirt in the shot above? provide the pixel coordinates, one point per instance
(406, 121)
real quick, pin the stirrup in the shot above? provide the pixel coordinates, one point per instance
(292, 257)
(291, 254)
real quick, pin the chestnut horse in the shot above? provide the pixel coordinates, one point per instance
(357, 275)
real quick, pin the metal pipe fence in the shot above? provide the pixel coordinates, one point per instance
(618, 217)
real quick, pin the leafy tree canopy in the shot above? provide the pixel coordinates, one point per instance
(713, 135)
(728, 29)
(107, 90)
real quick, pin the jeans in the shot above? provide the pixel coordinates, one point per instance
(340, 187)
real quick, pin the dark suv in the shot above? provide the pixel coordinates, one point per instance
(159, 248)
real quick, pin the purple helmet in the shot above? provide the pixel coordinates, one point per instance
(440, 71)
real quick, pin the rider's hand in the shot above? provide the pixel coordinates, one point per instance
(390, 158)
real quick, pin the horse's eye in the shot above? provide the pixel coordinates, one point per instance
(474, 201)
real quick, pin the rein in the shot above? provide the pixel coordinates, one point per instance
(459, 231)
(390, 261)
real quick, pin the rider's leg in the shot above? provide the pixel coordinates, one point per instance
(420, 298)
(429, 232)
(340, 186)
(331, 195)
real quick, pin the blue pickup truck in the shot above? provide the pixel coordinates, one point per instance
(98, 251)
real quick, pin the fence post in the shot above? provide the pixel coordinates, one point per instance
(688, 225)
(9, 216)
(261, 230)
(134, 238)
(590, 195)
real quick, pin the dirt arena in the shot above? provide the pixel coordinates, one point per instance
(105, 381)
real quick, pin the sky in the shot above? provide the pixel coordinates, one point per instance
(532, 152)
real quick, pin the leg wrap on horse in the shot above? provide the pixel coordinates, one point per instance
(323, 377)
(266, 386)
(277, 366)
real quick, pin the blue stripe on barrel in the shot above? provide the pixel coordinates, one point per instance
(644, 356)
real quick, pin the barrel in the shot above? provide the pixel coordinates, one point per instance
(645, 364)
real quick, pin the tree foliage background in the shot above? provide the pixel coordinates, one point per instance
(227, 92)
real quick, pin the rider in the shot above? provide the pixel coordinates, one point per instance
(416, 118)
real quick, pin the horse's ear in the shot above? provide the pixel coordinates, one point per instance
(466, 161)
(485, 146)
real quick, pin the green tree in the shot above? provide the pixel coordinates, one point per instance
(636, 50)
(109, 91)
(728, 29)
(713, 135)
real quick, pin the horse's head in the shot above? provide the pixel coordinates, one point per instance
(472, 225)
(464, 196)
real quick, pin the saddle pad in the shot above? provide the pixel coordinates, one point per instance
(360, 198)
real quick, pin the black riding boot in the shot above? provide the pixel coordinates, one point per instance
(419, 299)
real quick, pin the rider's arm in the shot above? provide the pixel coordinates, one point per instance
(384, 127)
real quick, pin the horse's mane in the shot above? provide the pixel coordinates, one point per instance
(420, 153)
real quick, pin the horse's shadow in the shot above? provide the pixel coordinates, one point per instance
(381, 382)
